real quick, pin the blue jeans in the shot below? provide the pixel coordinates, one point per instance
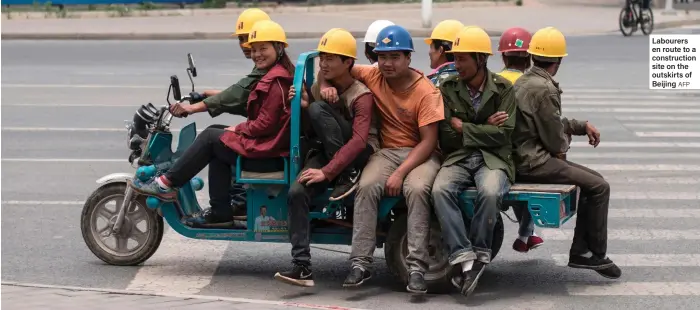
(450, 183)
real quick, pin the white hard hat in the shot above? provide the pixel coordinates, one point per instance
(374, 29)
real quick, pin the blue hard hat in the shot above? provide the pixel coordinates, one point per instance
(394, 38)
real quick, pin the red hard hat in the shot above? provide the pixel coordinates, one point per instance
(514, 39)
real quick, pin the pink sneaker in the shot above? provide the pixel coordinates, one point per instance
(520, 246)
(534, 242)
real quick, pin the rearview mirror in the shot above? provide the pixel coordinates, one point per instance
(192, 68)
(175, 84)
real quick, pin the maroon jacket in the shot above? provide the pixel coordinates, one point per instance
(266, 133)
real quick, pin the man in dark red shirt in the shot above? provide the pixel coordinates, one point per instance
(345, 130)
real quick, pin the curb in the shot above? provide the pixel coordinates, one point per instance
(183, 296)
(416, 33)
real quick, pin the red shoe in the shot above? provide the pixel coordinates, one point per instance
(520, 246)
(534, 242)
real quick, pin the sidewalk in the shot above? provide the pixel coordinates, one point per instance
(40, 297)
(571, 20)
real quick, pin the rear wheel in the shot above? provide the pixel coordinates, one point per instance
(140, 234)
(438, 275)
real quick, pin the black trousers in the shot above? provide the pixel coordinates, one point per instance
(333, 131)
(591, 232)
(208, 149)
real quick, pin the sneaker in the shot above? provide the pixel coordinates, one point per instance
(457, 278)
(534, 242)
(471, 278)
(299, 276)
(152, 188)
(346, 184)
(207, 217)
(416, 283)
(356, 277)
(593, 263)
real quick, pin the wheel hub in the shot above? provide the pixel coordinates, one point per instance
(125, 229)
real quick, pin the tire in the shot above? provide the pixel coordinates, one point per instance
(438, 275)
(623, 15)
(112, 255)
(648, 16)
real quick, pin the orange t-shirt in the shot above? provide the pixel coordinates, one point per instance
(402, 113)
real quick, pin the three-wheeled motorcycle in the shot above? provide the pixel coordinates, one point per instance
(140, 219)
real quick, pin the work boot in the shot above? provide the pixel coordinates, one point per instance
(208, 217)
(299, 275)
(346, 184)
(416, 283)
(356, 277)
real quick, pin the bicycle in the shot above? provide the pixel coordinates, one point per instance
(634, 14)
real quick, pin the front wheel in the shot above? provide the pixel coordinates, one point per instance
(439, 273)
(647, 21)
(139, 236)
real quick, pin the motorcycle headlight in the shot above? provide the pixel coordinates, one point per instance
(137, 130)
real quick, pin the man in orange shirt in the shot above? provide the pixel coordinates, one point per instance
(409, 108)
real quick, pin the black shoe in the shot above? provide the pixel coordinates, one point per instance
(416, 283)
(612, 272)
(593, 263)
(356, 277)
(299, 275)
(471, 278)
(207, 218)
(346, 184)
(457, 279)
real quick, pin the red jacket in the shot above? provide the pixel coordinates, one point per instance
(266, 133)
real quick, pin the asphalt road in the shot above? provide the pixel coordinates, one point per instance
(63, 108)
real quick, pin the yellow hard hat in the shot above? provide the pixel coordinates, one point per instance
(472, 39)
(247, 19)
(548, 42)
(446, 30)
(266, 31)
(339, 42)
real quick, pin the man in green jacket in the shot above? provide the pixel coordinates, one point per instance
(541, 140)
(475, 136)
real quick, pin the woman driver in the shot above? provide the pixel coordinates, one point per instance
(265, 134)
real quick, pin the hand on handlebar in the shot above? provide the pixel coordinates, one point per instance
(180, 110)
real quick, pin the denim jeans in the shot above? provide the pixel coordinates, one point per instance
(527, 225)
(450, 183)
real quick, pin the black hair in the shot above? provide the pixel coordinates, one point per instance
(343, 59)
(446, 46)
(543, 64)
(517, 61)
(369, 52)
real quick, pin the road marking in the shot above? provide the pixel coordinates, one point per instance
(654, 213)
(658, 118)
(669, 134)
(634, 102)
(182, 296)
(73, 129)
(626, 144)
(42, 202)
(643, 260)
(635, 289)
(627, 234)
(633, 167)
(632, 155)
(693, 125)
(652, 180)
(633, 110)
(181, 265)
(66, 160)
